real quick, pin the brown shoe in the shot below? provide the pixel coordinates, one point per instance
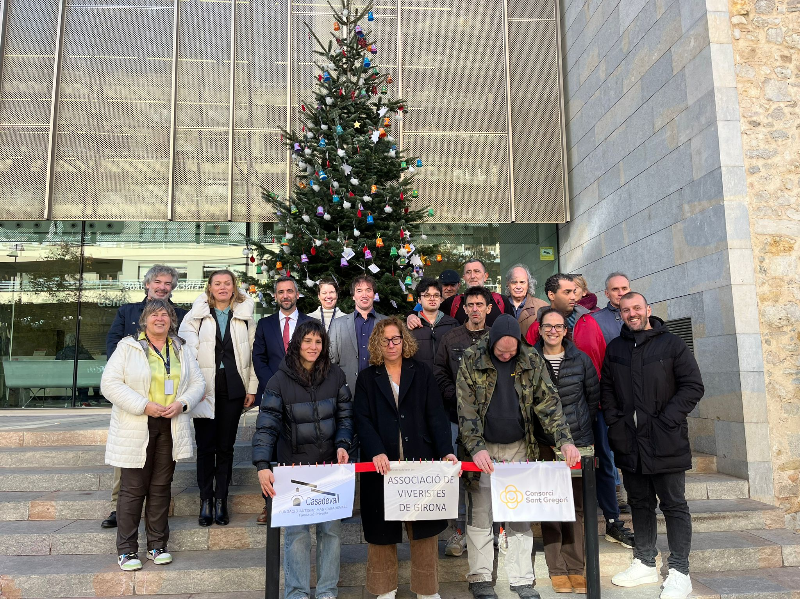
(561, 584)
(262, 518)
(578, 583)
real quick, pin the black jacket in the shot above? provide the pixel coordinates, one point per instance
(301, 424)
(448, 360)
(579, 390)
(127, 323)
(428, 337)
(419, 418)
(653, 373)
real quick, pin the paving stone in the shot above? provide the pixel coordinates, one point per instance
(789, 541)
(727, 551)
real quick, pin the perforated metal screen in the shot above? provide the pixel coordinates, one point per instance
(121, 150)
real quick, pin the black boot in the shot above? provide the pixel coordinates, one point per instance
(221, 512)
(206, 518)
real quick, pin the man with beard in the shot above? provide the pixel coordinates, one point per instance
(650, 383)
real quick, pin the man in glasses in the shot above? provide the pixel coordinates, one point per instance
(435, 324)
(478, 305)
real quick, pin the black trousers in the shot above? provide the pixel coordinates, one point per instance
(215, 439)
(153, 482)
(669, 491)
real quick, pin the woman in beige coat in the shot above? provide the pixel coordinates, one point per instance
(153, 381)
(220, 329)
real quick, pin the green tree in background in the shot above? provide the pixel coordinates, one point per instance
(350, 210)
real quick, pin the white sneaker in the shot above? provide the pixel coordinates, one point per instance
(129, 562)
(677, 585)
(456, 545)
(637, 574)
(424, 596)
(389, 595)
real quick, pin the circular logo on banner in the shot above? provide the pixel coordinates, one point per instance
(511, 497)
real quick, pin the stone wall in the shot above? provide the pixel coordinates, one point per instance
(766, 45)
(658, 189)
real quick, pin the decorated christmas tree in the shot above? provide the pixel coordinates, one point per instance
(350, 210)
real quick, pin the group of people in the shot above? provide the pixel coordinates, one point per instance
(475, 376)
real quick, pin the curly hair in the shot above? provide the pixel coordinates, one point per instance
(322, 365)
(375, 350)
(155, 305)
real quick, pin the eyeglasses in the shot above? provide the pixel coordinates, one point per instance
(431, 296)
(393, 341)
(558, 327)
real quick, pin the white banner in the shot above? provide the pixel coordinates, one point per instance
(309, 494)
(538, 491)
(421, 491)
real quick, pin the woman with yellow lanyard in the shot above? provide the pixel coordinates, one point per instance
(152, 380)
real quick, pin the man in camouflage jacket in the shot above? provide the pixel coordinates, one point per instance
(502, 386)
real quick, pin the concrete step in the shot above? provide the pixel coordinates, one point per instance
(703, 463)
(26, 457)
(240, 570)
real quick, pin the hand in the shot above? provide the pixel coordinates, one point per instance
(571, 455)
(381, 464)
(154, 410)
(266, 479)
(413, 322)
(249, 400)
(342, 456)
(452, 458)
(173, 410)
(484, 462)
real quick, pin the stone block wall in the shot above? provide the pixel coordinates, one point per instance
(658, 190)
(766, 47)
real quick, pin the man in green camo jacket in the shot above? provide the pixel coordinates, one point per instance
(502, 386)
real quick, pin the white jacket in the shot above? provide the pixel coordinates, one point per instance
(199, 329)
(126, 384)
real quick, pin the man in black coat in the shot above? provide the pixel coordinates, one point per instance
(435, 324)
(650, 383)
(159, 283)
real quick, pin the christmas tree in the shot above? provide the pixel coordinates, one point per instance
(350, 210)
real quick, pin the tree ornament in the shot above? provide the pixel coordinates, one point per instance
(370, 16)
(322, 176)
(259, 271)
(367, 62)
(387, 209)
(346, 205)
(354, 180)
(336, 199)
(359, 213)
(419, 162)
(297, 149)
(414, 193)
(389, 79)
(343, 262)
(293, 209)
(408, 247)
(393, 251)
(393, 152)
(326, 216)
(339, 130)
(359, 31)
(408, 280)
(384, 89)
(316, 187)
(374, 90)
(336, 26)
(335, 185)
(326, 76)
(279, 265)
(303, 107)
(340, 152)
(252, 259)
(301, 164)
(382, 132)
(403, 164)
(356, 232)
(307, 151)
(313, 251)
(328, 100)
(373, 48)
(370, 220)
(301, 185)
(405, 209)
(320, 211)
(411, 169)
(430, 212)
(322, 142)
(410, 298)
(303, 258)
(367, 254)
(438, 258)
(366, 198)
(324, 127)
(379, 242)
(387, 122)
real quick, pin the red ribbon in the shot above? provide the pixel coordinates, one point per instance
(369, 467)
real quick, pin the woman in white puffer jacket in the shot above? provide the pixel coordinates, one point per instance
(153, 381)
(221, 331)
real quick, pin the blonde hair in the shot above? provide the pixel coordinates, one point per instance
(238, 296)
(375, 351)
(580, 280)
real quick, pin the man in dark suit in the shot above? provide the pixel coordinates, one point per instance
(274, 332)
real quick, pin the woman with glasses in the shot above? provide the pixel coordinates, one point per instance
(399, 416)
(434, 322)
(578, 386)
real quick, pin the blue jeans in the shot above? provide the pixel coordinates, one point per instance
(297, 560)
(607, 474)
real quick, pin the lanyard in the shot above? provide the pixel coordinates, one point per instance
(166, 345)
(322, 316)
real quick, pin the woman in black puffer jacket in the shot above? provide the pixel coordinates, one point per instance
(306, 417)
(578, 386)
